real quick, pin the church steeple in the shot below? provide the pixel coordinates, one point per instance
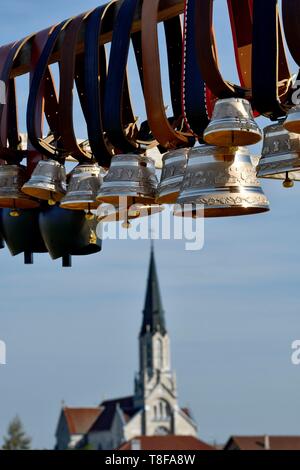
(153, 313)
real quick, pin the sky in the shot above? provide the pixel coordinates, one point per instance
(232, 309)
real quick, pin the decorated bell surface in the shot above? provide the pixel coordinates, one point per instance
(174, 166)
(292, 122)
(12, 177)
(232, 124)
(280, 155)
(221, 180)
(47, 182)
(22, 234)
(84, 185)
(67, 232)
(132, 176)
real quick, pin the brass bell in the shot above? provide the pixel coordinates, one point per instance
(174, 166)
(47, 182)
(84, 185)
(12, 178)
(292, 122)
(232, 124)
(131, 176)
(221, 180)
(22, 234)
(280, 155)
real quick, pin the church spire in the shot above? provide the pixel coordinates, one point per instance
(153, 314)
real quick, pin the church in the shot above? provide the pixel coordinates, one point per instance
(152, 410)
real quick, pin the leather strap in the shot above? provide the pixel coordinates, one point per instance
(242, 31)
(113, 103)
(291, 15)
(4, 107)
(207, 53)
(71, 66)
(173, 34)
(48, 104)
(160, 126)
(193, 86)
(241, 13)
(95, 83)
(9, 136)
(43, 145)
(265, 63)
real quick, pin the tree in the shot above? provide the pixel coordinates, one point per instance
(16, 438)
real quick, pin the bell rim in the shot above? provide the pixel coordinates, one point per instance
(152, 209)
(292, 126)
(82, 205)
(228, 211)
(235, 138)
(43, 193)
(17, 203)
(114, 199)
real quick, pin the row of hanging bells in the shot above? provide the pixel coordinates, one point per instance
(220, 174)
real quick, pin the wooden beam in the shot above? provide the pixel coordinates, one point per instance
(168, 9)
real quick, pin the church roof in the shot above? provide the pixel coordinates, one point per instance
(104, 421)
(153, 314)
(166, 443)
(80, 420)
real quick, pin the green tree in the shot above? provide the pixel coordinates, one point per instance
(16, 438)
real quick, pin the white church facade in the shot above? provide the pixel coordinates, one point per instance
(152, 410)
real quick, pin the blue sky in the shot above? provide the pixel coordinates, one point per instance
(232, 309)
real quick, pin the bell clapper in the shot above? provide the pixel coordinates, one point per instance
(51, 201)
(89, 215)
(126, 224)
(288, 183)
(15, 212)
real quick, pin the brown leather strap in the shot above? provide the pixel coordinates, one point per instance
(159, 124)
(207, 54)
(9, 137)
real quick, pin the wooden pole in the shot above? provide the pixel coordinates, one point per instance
(168, 9)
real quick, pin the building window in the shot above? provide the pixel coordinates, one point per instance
(162, 431)
(161, 411)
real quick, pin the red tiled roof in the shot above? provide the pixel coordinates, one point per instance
(80, 420)
(167, 443)
(262, 443)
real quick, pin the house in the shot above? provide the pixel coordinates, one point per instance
(263, 443)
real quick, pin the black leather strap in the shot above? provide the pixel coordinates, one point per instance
(194, 90)
(265, 60)
(113, 102)
(45, 146)
(95, 84)
(291, 16)
(71, 66)
(173, 33)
